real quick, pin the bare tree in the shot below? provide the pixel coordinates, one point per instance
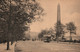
(59, 31)
(72, 29)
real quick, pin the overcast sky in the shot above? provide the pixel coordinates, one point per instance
(69, 12)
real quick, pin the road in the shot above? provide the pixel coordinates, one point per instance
(39, 46)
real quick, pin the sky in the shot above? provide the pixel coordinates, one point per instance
(69, 13)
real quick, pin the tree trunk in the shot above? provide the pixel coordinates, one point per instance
(7, 45)
(57, 39)
(11, 42)
(70, 37)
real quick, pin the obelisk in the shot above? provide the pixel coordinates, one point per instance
(58, 32)
(58, 14)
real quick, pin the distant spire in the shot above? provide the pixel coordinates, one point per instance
(58, 13)
(58, 21)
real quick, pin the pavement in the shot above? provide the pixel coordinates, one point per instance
(40, 46)
(4, 45)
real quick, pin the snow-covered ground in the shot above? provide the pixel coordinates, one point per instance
(3, 47)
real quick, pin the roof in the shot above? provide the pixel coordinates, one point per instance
(48, 35)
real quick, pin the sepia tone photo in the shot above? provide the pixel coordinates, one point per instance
(39, 25)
